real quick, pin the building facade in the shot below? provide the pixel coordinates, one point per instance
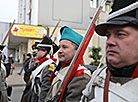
(76, 14)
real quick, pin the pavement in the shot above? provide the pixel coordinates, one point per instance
(15, 79)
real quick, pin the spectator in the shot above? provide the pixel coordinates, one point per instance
(26, 68)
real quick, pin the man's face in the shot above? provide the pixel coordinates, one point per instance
(40, 53)
(121, 45)
(66, 51)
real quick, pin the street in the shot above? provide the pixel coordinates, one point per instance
(16, 93)
(17, 83)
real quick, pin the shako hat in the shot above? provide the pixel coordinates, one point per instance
(68, 34)
(123, 12)
(48, 45)
(1, 47)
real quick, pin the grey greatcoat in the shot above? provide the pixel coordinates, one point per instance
(121, 89)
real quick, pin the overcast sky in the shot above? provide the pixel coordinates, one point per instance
(8, 10)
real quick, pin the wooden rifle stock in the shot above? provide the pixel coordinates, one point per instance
(8, 33)
(78, 56)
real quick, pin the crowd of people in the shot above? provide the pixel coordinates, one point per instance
(115, 82)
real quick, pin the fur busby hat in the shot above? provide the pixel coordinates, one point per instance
(123, 12)
(48, 45)
(68, 34)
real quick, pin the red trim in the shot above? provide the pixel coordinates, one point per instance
(135, 73)
(65, 64)
(52, 77)
(43, 60)
(54, 59)
(80, 72)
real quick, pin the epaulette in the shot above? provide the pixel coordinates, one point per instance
(82, 70)
(51, 67)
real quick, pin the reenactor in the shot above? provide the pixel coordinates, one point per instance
(117, 82)
(40, 84)
(69, 43)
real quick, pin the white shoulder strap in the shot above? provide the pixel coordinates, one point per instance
(39, 69)
(87, 91)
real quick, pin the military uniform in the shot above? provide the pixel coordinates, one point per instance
(110, 83)
(74, 88)
(40, 76)
(40, 80)
(121, 89)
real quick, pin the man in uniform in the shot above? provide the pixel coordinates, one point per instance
(41, 75)
(118, 81)
(69, 42)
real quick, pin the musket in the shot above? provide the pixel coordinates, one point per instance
(55, 28)
(8, 33)
(77, 57)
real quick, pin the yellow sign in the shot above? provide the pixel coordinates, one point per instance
(28, 31)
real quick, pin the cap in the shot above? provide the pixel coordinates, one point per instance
(68, 34)
(48, 45)
(123, 12)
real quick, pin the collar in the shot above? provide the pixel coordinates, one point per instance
(128, 71)
(68, 63)
(63, 65)
(43, 60)
(54, 59)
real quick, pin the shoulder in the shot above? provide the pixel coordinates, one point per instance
(82, 71)
(50, 67)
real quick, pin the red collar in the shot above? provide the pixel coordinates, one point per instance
(68, 63)
(43, 60)
(54, 59)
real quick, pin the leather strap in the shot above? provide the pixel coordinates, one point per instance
(106, 87)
